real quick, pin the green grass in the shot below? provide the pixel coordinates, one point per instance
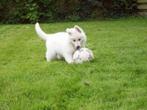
(115, 80)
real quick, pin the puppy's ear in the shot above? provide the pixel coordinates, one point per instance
(78, 29)
(68, 31)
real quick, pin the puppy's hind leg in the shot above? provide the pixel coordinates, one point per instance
(59, 57)
(49, 56)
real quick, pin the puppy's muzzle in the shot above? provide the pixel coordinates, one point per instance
(78, 47)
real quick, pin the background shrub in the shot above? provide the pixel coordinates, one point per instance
(30, 11)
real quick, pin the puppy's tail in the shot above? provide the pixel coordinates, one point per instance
(40, 32)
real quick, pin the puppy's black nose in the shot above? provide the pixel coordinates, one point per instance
(78, 47)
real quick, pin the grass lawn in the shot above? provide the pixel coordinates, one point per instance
(115, 80)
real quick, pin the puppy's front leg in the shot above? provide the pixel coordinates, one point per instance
(68, 58)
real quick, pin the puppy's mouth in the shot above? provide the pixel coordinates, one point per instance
(78, 47)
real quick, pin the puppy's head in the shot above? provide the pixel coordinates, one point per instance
(77, 37)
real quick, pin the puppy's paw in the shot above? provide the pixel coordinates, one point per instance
(70, 62)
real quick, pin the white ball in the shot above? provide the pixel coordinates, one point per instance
(82, 55)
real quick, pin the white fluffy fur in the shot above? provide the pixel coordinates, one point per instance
(62, 44)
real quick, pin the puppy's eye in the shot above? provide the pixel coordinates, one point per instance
(79, 39)
(74, 40)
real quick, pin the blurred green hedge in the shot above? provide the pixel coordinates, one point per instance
(30, 11)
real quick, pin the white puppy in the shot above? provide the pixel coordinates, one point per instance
(62, 44)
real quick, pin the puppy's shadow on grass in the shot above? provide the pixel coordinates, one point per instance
(64, 63)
